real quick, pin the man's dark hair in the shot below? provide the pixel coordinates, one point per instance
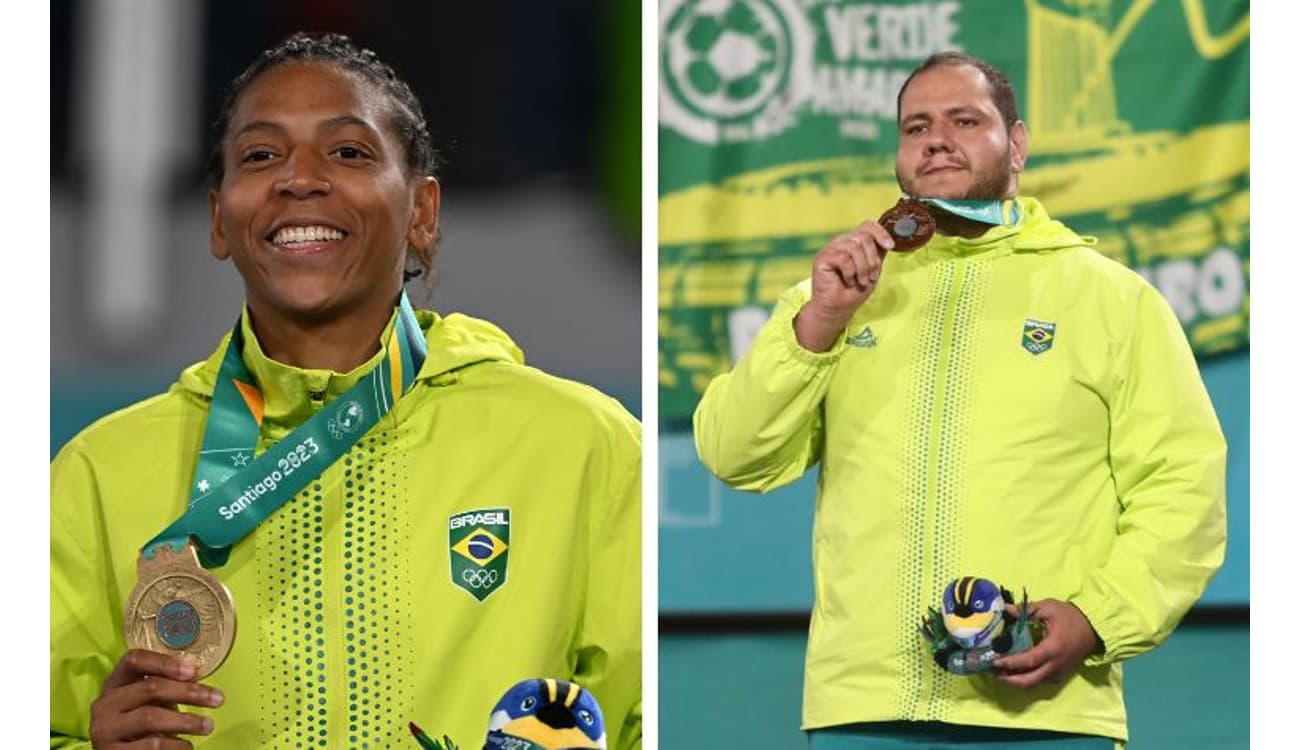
(1004, 97)
(337, 49)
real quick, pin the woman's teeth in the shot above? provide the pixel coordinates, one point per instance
(296, 235)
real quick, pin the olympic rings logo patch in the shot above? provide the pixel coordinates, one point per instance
(478, 546)
(479, 578)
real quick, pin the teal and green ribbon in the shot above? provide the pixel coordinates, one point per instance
(997, 213)
(233, 489)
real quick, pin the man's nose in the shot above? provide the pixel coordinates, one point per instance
(302, 176)
(937, 141)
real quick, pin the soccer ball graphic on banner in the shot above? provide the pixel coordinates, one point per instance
(726, 57)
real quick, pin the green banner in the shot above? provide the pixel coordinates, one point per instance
(777, 130)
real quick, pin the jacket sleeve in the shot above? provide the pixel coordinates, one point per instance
(759, 427)
(85, 638)
(1168, 458)
(609, 648)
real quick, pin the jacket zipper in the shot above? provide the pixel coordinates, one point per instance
(934, 445)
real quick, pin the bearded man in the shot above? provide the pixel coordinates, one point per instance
(1000, 402)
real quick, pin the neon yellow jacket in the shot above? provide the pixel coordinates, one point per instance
(1092, 471)
(349, 624)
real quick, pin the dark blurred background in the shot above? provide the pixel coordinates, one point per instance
(535, 108)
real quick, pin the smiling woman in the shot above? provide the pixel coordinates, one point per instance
(317, 207)
(396, 503)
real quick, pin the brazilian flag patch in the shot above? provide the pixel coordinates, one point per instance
(1038, 336)
(479, 545)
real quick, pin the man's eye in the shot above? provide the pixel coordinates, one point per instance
(966, 122)
(260, 154)
(916, 130)
(350, 152)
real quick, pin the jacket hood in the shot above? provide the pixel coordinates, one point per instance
(455, 342)
(458, 341)
(1035, 232)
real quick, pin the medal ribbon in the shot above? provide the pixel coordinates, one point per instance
(997, 213)
(232, 490)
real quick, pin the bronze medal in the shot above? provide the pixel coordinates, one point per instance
(909, 223)
(178, 608)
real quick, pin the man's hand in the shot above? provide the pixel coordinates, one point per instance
(845, 273)
(137, 707)
(1067, 641)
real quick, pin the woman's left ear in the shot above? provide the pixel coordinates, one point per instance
(424, 219)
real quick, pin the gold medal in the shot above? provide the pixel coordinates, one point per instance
(178, 608)
(909, 223)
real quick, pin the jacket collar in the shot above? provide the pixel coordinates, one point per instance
(293, 394)
(456, 342)
(1036, 231)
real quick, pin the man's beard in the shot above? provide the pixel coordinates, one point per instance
(993, 185)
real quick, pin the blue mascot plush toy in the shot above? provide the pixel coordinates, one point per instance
(551, 714)
(544, 714)
(974, 628)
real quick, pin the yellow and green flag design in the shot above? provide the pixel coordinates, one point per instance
(479, 542)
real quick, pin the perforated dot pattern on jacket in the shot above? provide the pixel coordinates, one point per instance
(334, 603)
(950, 460)
(912, 500)
(933, 473)
(292, 646)
(376, 624)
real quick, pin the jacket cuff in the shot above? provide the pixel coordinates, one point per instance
(799, 353)
(1103, 622)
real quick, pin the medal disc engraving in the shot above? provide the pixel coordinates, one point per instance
(178, 608)
(909, 223)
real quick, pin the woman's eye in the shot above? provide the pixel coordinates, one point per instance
(260, 154)
(350, 152)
